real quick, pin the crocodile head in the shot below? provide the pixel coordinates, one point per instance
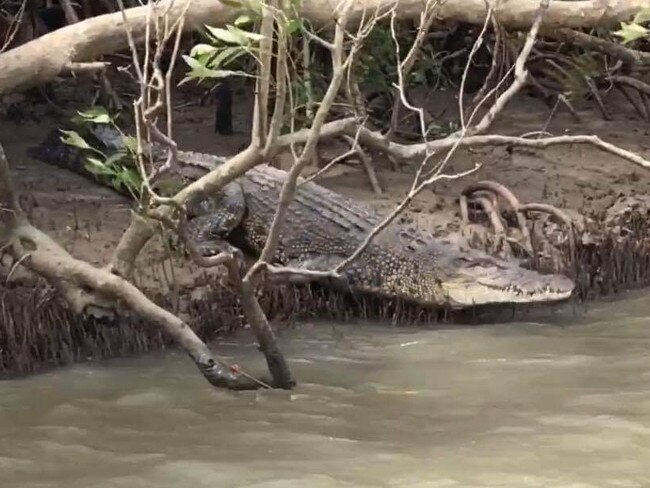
(53, 150)
(475, 278)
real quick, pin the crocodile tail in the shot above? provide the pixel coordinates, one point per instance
(54, 151)
(57, 153)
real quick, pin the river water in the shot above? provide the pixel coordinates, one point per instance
(565, 403)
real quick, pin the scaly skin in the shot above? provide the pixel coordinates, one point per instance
(323, 228)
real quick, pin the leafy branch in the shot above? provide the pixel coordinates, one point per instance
(118, 168)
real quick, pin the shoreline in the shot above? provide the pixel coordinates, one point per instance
(87, 220)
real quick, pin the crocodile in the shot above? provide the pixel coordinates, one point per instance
(323, 228)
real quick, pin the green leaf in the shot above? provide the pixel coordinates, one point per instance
(98, 115)
(202, 72)
(293, 26)
(243, 35)
(255, 6)
(198, 70)
(202, 49)
(114, 158)
(240, 34)
(631, 32)
(97, 167)
(231, 3)
(227, 55)
(642, 16)
(224, 35)
(243, 20)
(131, 179)
(74, 139)
(130, 143)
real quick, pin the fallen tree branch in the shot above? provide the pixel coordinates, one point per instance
(409, 152)
(499, 140)
(136, 236)
(91, 38)
(628, 56)
(41, 254)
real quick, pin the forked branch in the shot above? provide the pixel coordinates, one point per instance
(42, 255)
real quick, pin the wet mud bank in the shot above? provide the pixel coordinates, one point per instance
(38, 332)
(601, 238)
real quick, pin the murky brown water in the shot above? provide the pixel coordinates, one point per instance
(516, 405)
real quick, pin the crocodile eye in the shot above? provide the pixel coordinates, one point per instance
(215, 229)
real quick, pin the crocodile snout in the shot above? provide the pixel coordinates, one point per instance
(494, 282)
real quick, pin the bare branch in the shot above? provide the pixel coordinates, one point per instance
(281, 82)
(70, 15)
(289, 186)
(43, 255)
(328, 166)
(98, 36)
(14, 27)
(404, 67)
(475, 47)
(262, 85)
(86, 67)
(630, 57)
(366, 162)
(520, 75)
(135, 237)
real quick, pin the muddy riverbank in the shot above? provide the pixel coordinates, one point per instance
(88, 220)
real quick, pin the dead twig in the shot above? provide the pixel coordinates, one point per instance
(367, 164)
(14, 27)
(405, 67)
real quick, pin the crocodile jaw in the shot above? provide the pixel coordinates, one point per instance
(498, 285)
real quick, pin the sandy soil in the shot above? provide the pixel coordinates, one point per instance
(89, 219)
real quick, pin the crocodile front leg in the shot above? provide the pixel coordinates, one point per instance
(211, 219)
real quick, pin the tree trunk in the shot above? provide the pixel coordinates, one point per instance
(42, 59)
